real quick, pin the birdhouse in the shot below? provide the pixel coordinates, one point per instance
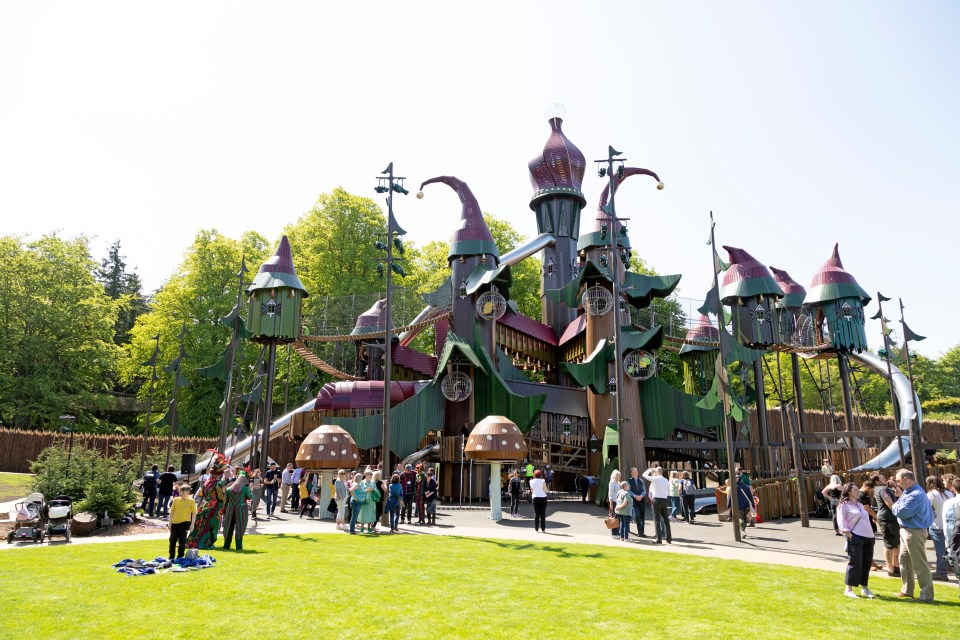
(752, 293)
(275, 298)
(836, 303)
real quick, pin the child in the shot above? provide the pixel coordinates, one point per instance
(183, 514)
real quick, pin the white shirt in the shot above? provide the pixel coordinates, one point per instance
(538, 488)
(937, 500)
(950, 506)
(659, 486)
(287, 476)
(613, 489)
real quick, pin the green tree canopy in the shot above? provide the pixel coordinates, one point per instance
(202, 290)
(57, 330)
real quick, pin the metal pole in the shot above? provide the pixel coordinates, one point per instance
(624, 452)
(893, 396)
(848, 405)
(919, 468)
(286, 389)
(146, 427)
(387, 347)
(801, 479)
(268, 405)
(721, 372)
(758, 382)
(798, 400)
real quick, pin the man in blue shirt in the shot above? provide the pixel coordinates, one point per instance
(915, 516)
(639, 492)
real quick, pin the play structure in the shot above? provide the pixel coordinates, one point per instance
(578, 388)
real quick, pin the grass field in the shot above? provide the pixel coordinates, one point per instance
(333, 586)
(14, 485)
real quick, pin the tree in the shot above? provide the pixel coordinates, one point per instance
(525, 290)
(56, 329)
(201, 291)
(668, 313)
(125, 287)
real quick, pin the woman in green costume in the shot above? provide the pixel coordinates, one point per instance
(210, 507)
(368, 512)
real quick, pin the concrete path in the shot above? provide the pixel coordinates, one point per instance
(780, 542)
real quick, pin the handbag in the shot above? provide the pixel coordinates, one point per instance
(332, 506)
(612, 522)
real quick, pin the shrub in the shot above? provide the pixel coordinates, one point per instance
(95, 483)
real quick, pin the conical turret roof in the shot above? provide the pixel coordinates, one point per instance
(793, 291)
(746, 277)
(278, 271)
(473, 237)
(833, 282)
(372, 320)
(703, 331)
(559, 168)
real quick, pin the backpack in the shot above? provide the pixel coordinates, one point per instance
(150, 480)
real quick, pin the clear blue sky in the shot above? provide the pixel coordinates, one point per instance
(799, 124)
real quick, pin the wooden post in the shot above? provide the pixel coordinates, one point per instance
(801, 478)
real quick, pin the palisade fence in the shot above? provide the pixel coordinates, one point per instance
(19, 448)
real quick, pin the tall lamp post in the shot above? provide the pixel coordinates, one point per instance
(389, 184)
(607, 169)
(69, 422)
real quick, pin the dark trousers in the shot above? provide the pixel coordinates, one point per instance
(149, 500)
(163, 509)
(407, 511)
(294, 497)
(178, 538)
(584, 490)
(860, 559)
(514, 504)
(228, 534)
(639, 514)
(307, 503)
(689, 514)
(270, 491)
(661, 519)
(540, 514)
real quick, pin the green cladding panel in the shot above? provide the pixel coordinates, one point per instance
(275, 313)
(665, 408)
(845, 321)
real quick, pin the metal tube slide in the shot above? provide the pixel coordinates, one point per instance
(908, 404)
(241, 449)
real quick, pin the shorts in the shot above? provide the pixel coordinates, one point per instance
(891, 534)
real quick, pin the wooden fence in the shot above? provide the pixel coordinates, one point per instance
(18, 448)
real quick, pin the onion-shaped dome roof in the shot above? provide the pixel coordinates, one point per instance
(495, 439)
(746, 277)
(559, 168)
(328, 447)
(833, 282)
(793, 291)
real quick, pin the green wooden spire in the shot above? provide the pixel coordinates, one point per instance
(276, 297)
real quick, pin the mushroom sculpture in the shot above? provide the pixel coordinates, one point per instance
(328, 446)
(495, 440)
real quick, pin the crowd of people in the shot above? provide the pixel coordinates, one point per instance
(901, 511)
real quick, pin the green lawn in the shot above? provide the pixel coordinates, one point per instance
(331, 586)
(14, 485)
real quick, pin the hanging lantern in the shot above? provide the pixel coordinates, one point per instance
(597, 300)
(491, 305)
(456, 386)
(640, 365)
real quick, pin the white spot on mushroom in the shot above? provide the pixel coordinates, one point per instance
(489, 437)
(503, 443)
(354, 455)
(335, 438)
(516, 445)
(343, 452)
(320, 448)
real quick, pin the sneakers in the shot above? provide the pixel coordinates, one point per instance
(901, 594)
(866, 593)
(850, 594)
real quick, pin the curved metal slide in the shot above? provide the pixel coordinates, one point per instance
(908, 405)
(241, 450)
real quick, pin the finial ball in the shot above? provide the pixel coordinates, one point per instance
(660, 186)
(420, 195)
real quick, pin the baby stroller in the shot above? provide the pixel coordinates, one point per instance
(27, 516)
(59, 513)
(821, 506)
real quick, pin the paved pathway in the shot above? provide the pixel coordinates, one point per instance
(780, 542)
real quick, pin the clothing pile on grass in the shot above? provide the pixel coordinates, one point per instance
(162, 565)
